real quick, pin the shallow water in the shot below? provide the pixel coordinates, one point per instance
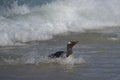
(97, 57)
(32, 29)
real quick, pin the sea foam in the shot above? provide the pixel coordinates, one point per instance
(22, 23)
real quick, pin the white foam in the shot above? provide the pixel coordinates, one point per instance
(33, 58)
(72, 60)
(114, 38)
(25, 24)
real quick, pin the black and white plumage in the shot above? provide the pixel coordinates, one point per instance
(69, 51)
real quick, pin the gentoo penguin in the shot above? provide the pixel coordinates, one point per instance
(60, 54)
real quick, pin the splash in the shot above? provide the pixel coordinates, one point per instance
(23, 23)
(36, 60)
(71, 60)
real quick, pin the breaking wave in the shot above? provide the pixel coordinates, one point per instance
(23, 22)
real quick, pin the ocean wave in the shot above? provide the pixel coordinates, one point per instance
(22, 23)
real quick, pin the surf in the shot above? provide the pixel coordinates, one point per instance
(24, 22)
(32, 60)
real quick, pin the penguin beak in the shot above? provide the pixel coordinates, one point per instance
(76, 42)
